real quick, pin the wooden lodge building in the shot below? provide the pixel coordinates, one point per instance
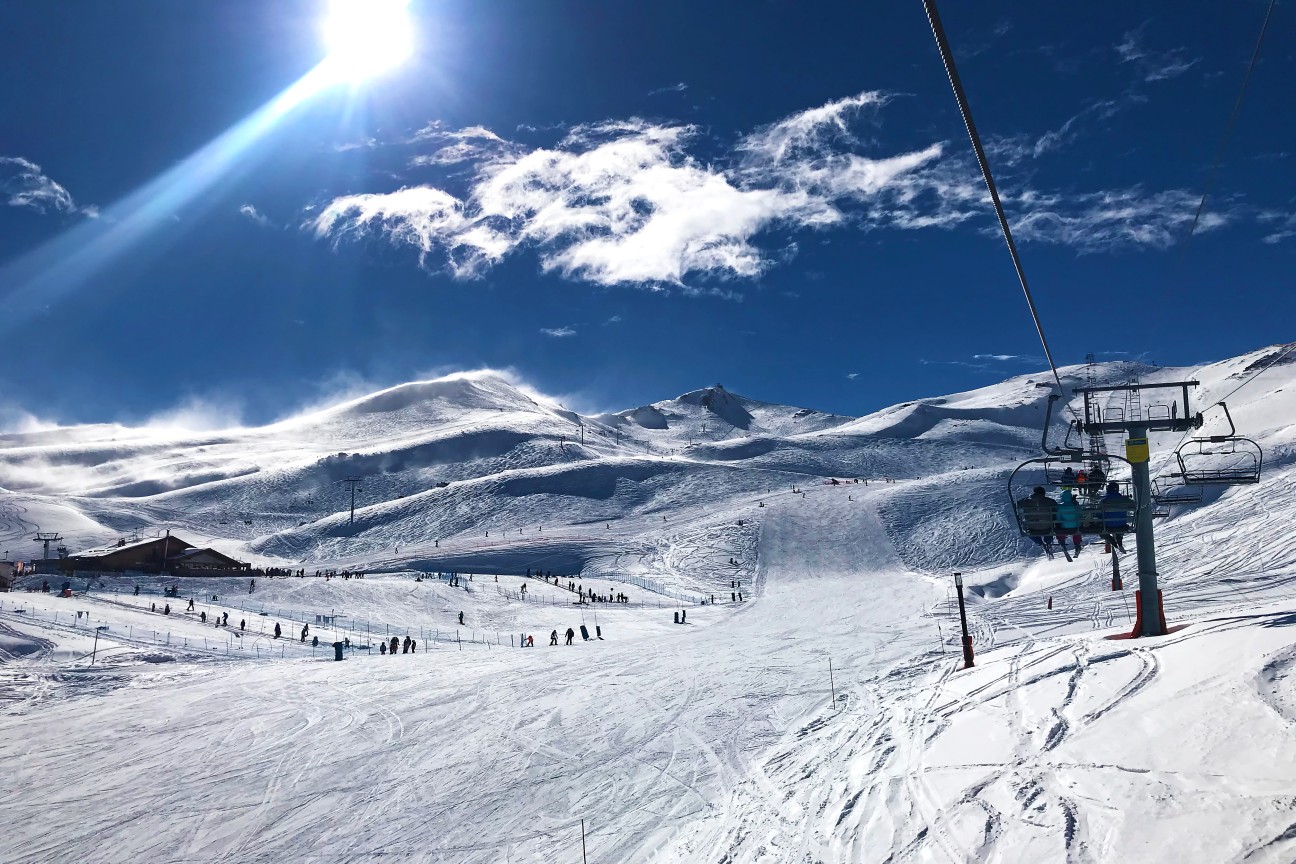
(167, 554)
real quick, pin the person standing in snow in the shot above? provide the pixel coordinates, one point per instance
(278, 630)
(413, 645)
(571, 634)
(553, 638)
(242, 623)
(191, 606)
(395, 643)
(382, 648)
(683, 616)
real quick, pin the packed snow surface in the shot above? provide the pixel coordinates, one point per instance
(825, 716)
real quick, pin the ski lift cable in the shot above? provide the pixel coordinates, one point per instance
(1228, 127)
(947, 57)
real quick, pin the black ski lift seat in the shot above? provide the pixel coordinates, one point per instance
(1038, 517)
(1220, 460)
(1168, 494)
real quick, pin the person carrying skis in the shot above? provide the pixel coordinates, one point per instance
(1039, 518)
(1116, 508)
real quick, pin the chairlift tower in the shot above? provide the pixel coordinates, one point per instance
(1136, 426)
(47, 538)
(353, 480)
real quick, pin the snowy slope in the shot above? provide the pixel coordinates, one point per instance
(725, 739)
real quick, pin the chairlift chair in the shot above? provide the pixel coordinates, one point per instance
(1036, 472)
(1220, 460)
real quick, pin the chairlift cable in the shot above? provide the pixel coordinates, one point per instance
(947, 57)
(1228, 127)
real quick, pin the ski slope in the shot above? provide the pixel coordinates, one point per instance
(722, 739)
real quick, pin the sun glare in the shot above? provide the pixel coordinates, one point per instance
(366, 37)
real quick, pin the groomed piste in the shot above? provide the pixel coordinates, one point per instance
(824, 716)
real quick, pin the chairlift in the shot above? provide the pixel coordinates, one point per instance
(1220, 460)
(1036, 472)
(1174, 494)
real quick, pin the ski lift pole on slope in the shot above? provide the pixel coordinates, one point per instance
(967, 638)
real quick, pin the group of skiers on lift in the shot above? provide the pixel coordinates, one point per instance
(1044, 518)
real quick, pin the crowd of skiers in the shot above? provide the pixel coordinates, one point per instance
(1043, 518)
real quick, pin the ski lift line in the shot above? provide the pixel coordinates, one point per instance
(1228, 127)
(956, 83)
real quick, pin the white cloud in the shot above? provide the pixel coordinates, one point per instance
(674, 88)
(1151, 65)
(558, 332)
(1004, 358)
(254, 215)
(628, 202)
(852, 375)
(615, 319)
(1284, 226)
(462, 145)
(24, 184)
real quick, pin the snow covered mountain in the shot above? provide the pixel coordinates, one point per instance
(725, 739)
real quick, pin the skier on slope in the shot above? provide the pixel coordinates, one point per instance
(553, 638)
(571, 634)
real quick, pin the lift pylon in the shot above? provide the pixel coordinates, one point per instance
(1136, 424)
(47, 538)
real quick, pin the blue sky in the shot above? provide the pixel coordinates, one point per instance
(624, 201)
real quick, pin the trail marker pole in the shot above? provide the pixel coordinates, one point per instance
(583, 861)
(967, 639)
(830, 682)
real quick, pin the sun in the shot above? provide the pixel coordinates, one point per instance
(366, 37)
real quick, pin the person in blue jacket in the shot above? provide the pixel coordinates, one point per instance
(1116, 513)
(1068, 520)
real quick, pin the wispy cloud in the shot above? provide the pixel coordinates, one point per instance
(1152, 65)
(558, 332)
(674, 88)
(1006, 358)
(852, 375)
(615, 319)
(24, 184)
(1282, 226)
(454, 146)
(627, 202)
(255, 215)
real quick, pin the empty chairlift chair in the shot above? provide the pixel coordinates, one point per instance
(1220, 460)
